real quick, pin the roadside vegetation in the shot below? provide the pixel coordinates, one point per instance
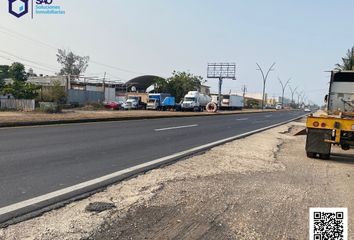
(16, 84)
(179, 84)
(347, 61)
(13, 81)
(71, 63)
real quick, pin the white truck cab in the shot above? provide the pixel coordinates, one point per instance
(195, 101)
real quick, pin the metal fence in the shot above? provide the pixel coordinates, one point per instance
(18, 104)
(82, 97)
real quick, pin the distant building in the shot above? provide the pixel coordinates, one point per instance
(31, 73)
(272, 101)
(287, 101)
(256, 96)
(204, 89)
(48, 80)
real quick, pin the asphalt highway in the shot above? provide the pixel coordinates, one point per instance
(39, 160)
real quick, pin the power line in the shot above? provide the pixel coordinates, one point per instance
(54, 47)
(118, 78)
(116, 68)
(26, 60)
(26, 37)
(28, 65)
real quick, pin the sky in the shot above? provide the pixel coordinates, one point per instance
(129, 38)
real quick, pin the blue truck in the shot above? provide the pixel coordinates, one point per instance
(161, 101)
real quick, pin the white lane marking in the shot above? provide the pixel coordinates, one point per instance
(172, 128)
(241, 119)
(141, 167)
(268, 116)
(260, 121)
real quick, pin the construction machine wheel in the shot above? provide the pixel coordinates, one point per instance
(324, 156)
(311, 154)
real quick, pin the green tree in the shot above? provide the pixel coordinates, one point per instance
(4, 72)
(22, 90)
(58, 92)
(179, 84)
(252, 103)
(17, 72)
(160, 85)
(2, 85)
(55, 93)
(72, 64)
(348, 61)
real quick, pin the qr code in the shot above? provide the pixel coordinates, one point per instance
(328, 224)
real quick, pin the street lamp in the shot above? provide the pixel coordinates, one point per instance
(283, 86)
(292, 93)
(265, 76)
(299, 95)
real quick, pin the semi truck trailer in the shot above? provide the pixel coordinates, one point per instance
(232, 102)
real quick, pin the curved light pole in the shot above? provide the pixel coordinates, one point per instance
(292, 93)
(303, 97)
(265, 76)
(283, 86)
(299, 94)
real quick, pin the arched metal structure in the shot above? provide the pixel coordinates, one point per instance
(141, 83)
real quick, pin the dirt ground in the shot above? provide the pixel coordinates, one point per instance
(11, 117)
(259, 187)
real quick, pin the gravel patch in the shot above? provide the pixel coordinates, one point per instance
(99, 207)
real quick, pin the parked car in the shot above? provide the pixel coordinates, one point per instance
(307, 110)
(278, 107)
(113, 105)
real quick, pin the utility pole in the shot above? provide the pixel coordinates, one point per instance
(244, 90)
(265, 76)
(68, 84)
(104, 86)
(283, 86)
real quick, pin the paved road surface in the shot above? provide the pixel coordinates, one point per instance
(38, 160)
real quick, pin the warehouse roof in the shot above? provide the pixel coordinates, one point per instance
(142, 83)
